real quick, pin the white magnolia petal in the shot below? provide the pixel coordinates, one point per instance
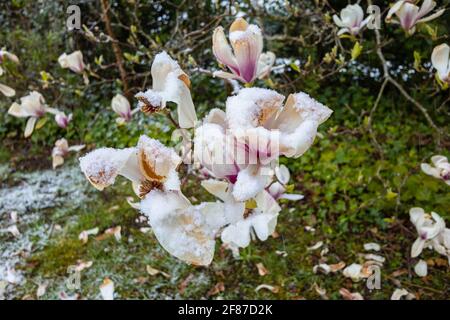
(415, 214)
(426, 7)
(237, 234)
(76, 148)
(429, 170)
(266, 203)
(353, 271)
(264, 225)
(253, 107)
(16, 111)
(421, 268)
(214, 150)
(282, 173)
(249, 183)
(222, 50)
(439, 160)
(217, 188)
(440, 58)
(217, 116)
(338, 21)
(156, 161)
(103, 165)
(432, 16)
(107, 289)
(399, 293)
(394, 9)
(186, 110)
(417, 247)
(29, 127)
(225, 75)
(180, 227)
(292, 196)
(265, 64)
(162, 66)
(7, 91)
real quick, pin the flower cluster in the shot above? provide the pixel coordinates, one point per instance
(432, 233)
(235, 151)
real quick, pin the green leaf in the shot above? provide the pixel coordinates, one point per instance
(295, 67)
(41, 122)
(356, 51)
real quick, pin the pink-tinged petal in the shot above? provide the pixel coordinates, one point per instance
(222, 50)
(225, 75)
(248, 47)
(432, 17)
(7, 91)
(394, 9)
(408, 15)
(440, 58)
(426, 7)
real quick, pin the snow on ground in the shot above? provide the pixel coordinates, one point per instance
(22, 227)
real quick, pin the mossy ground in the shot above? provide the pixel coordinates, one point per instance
(353, 195)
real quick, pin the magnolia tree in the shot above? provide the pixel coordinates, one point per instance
(235, 150)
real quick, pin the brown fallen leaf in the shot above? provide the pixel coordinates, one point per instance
(115, 231)
(218, 288)
(347, 295)
(337, 266)
(262, 271)
(399, 273)
(183, 285)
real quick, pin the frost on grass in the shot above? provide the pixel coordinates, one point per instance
(31, 194)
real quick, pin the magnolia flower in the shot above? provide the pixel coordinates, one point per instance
(439, 170)
(260, 112)
(122, 107)
(409, 15)
(428, 227)
(351, 19)
(240, 145)
(4, 89)
(32, 107)
(247, 62)
(73, 61)
(170, 84)
(62, 120)
(61, 150)
(150, 165)
(440, 58)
